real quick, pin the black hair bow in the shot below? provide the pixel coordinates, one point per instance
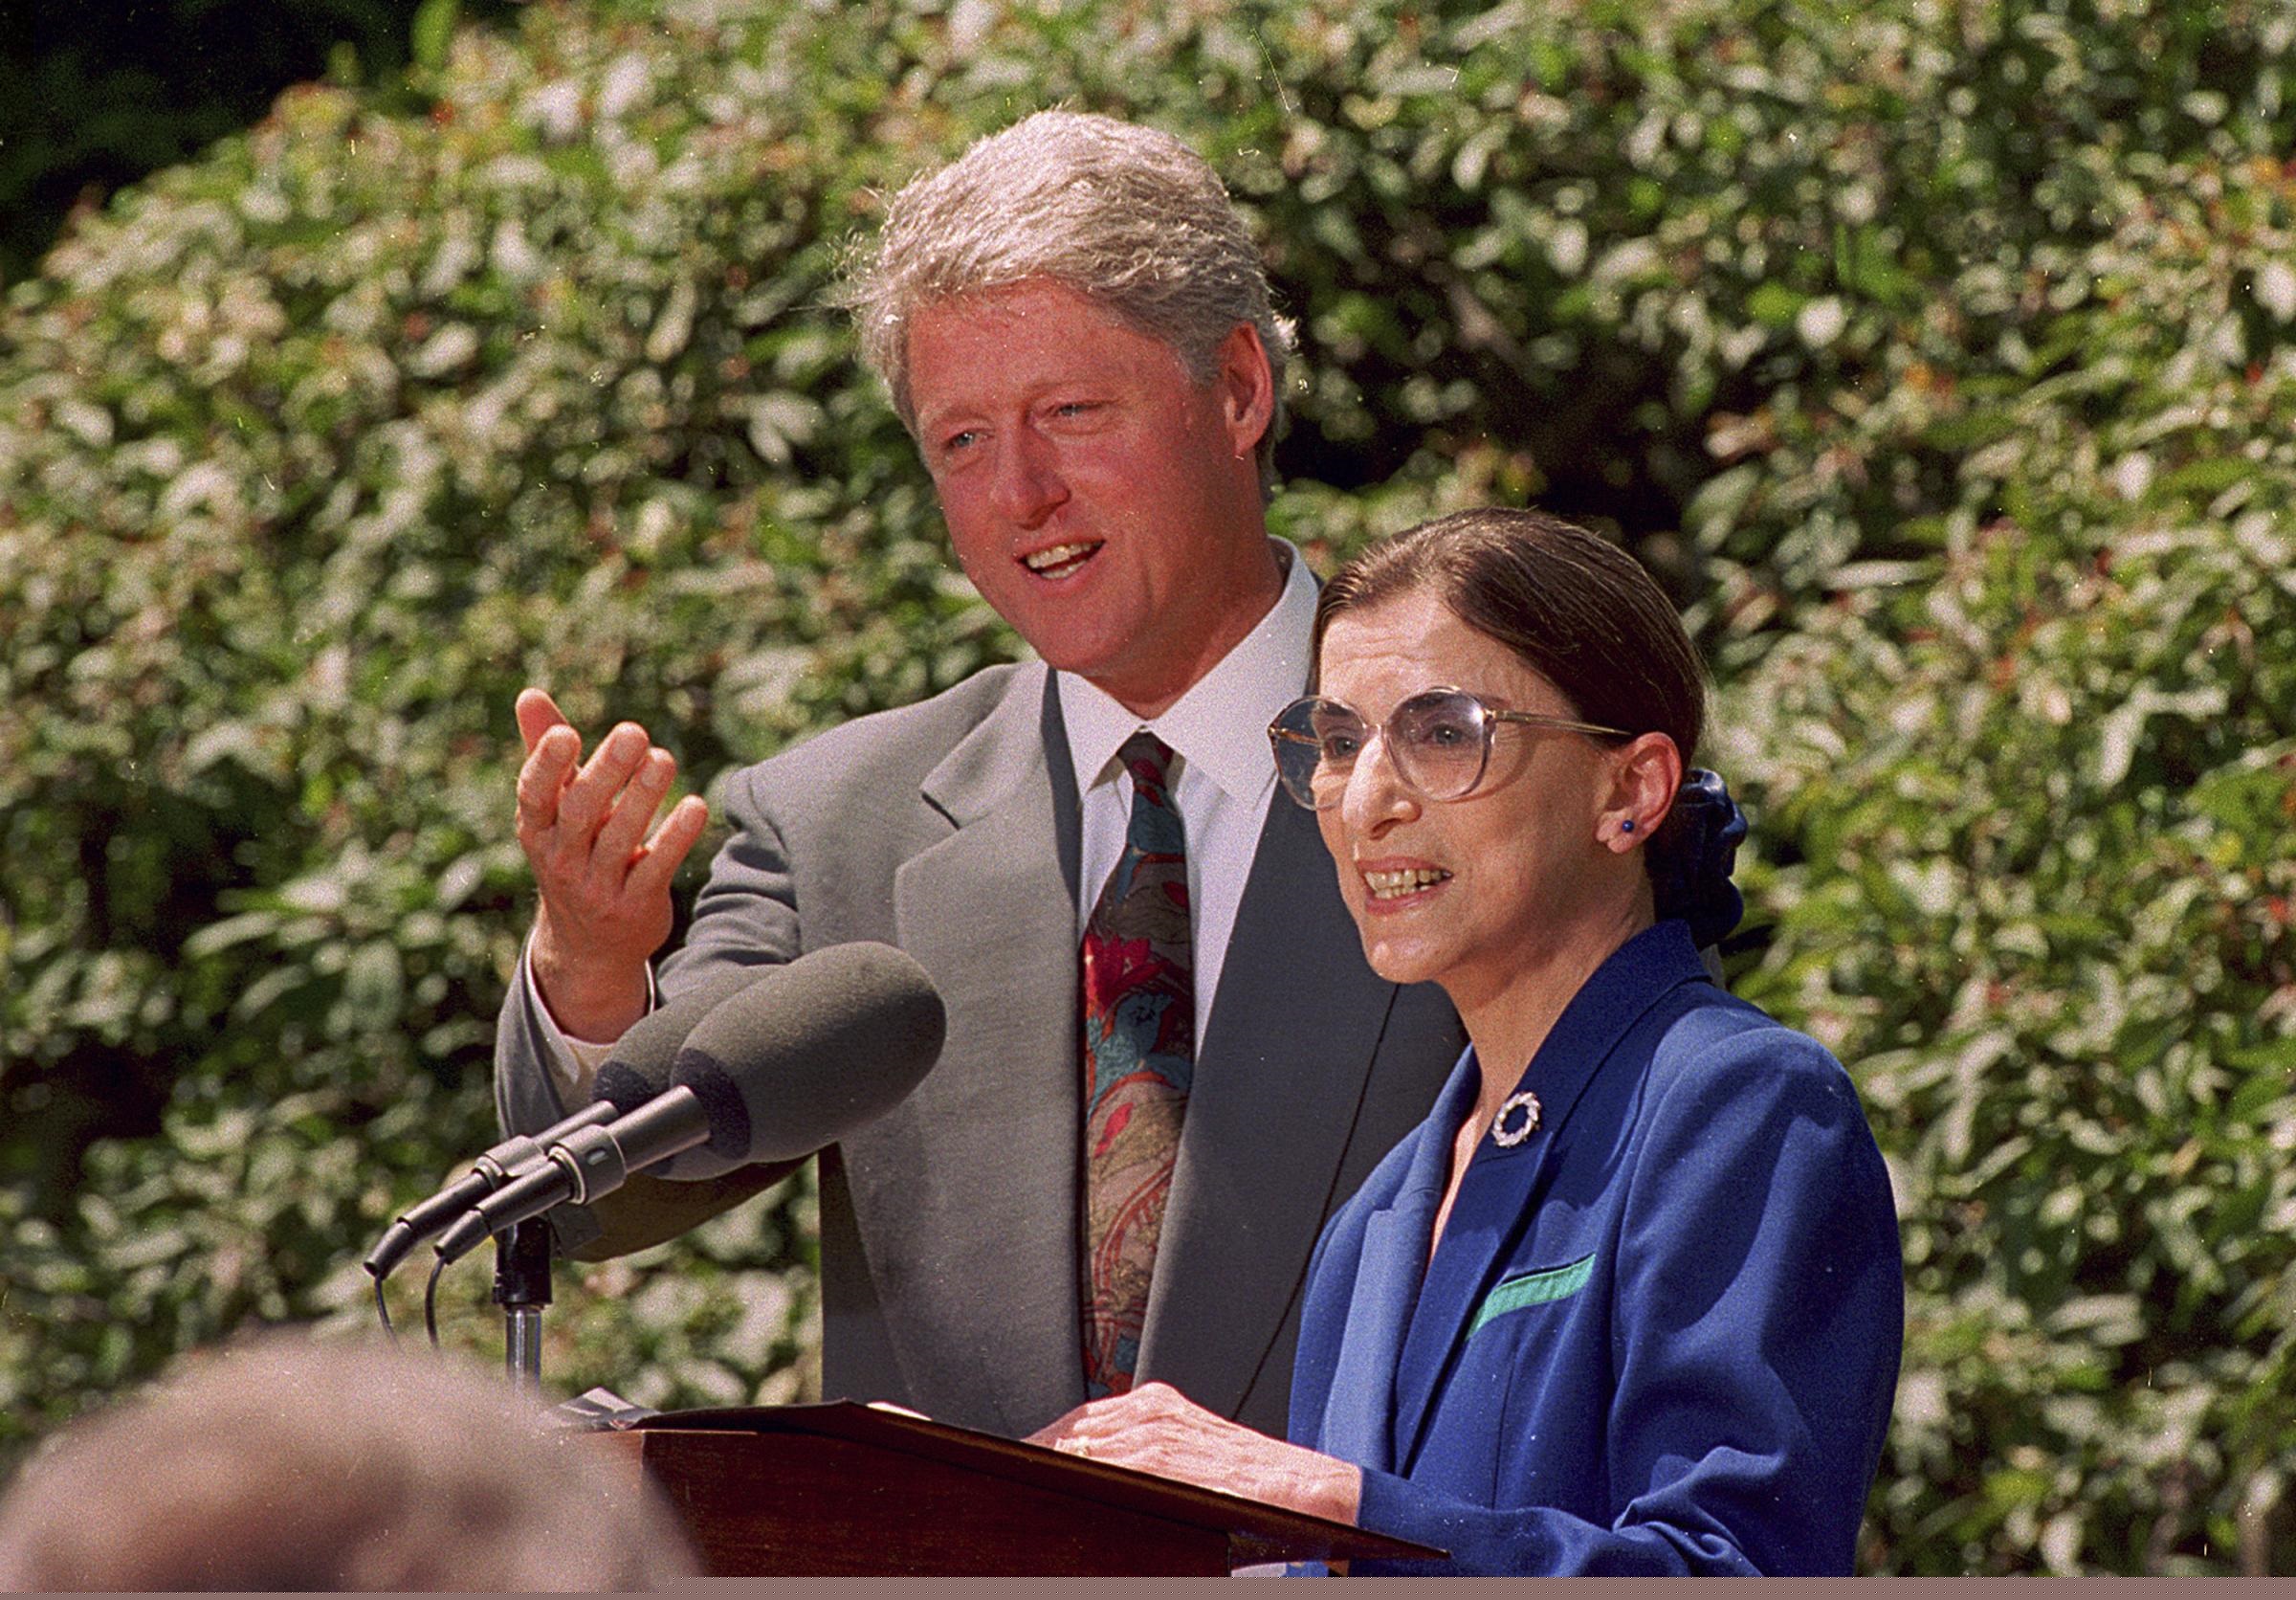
(1691, 878)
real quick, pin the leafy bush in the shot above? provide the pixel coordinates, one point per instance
(2039, 795)
(1931, 351)
(311, 458)
(100, 93)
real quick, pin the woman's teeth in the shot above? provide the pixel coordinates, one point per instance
(1060, 559)
(1388, 885)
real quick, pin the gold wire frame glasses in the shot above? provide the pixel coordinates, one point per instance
(1439, 741)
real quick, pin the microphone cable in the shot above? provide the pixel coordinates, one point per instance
(382, 1310)
(430, 1301)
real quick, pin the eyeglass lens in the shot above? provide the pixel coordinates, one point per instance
(1436, 741)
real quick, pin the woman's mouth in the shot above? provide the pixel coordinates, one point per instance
(1394, 883)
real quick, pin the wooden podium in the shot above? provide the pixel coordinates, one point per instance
(845, 1489)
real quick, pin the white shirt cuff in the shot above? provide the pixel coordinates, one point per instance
(572, 1063)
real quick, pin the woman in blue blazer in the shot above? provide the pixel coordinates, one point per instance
(1629, 1301)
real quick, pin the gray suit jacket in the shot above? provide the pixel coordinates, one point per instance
(949, 1257)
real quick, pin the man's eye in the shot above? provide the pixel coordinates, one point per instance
(959, 440)
(1341, 747)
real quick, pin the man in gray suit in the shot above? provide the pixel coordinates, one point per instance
(1072, 323)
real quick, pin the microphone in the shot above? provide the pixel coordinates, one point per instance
(794, 1062)
(781, 1073)
(633, 1073)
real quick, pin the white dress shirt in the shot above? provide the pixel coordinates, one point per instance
(1223, 782)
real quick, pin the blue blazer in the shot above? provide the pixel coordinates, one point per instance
(1660, 1335)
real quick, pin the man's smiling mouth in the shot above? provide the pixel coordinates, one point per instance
(1058, 560)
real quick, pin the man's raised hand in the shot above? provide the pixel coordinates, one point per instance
(605, 881)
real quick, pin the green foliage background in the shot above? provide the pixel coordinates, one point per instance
(94, 94)
(1935, 351)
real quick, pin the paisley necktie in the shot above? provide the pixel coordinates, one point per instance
(1140, 1053)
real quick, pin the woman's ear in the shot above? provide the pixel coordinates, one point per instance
(1644, 775)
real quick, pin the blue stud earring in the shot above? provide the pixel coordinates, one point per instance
(1627, 826)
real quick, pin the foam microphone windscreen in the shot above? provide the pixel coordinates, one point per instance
(639, 1067)
(838, 1039)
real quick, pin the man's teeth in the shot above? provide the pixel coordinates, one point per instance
(1058, 556)
(1387, 885)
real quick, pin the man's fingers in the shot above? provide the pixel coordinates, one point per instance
(619, 840)
(537, 714)
(653, 870)
(542, 775)
(595, 789)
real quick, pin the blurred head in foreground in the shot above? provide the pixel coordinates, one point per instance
(289, 1464)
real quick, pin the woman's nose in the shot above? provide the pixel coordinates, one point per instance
(1376, 797)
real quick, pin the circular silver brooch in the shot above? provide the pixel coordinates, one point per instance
(1525, 1102)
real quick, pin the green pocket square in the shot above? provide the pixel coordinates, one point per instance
(1534, 1288)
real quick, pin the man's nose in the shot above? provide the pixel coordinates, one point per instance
(1030, 486)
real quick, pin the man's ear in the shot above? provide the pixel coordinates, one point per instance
(1645, 776)
(1246, 386)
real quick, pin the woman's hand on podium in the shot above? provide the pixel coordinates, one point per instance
(1159, 1429)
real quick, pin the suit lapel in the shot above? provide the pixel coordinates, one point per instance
(1359, 1406)
(1279, 1074)
(1498, 1201)
(986, 1185)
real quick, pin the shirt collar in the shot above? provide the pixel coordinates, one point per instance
(1220, 726)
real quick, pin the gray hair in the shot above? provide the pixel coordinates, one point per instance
(293, 1463)
(1127, 217)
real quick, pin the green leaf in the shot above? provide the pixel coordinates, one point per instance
(432, 32)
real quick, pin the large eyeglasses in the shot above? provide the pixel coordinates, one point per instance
(1439, 741)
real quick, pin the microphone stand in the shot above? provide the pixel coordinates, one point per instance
(522, 1289)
